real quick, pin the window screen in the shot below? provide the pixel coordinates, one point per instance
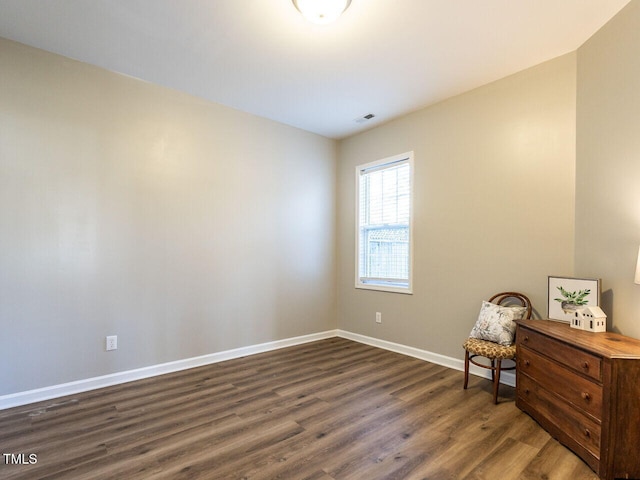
(384, 224)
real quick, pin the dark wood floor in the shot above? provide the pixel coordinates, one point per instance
(332, 409)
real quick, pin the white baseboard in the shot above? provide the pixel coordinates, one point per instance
(508, 378)
(71, 388)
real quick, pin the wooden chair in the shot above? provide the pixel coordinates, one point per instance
(492, 351)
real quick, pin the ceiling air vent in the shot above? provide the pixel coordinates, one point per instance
(364, 118)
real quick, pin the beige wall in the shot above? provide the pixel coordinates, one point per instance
(184, 227)
(494, 206)
(608, 166)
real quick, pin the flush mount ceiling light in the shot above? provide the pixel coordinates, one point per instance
(321, 11)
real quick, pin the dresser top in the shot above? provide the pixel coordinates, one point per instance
(606, 344)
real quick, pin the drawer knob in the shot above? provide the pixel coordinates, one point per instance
(527, 363)
(585, 365)
(586, 396)
(526, 338)
(587, 433)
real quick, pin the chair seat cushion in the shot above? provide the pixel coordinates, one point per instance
(488, 349)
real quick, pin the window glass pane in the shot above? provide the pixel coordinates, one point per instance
(384, 206)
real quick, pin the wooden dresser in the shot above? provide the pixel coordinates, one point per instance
(584, 389)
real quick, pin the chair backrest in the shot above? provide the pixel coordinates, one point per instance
(507, 298)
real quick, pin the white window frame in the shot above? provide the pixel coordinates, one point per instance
(382, 285)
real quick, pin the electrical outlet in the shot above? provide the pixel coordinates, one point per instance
(378, 317)
(112, 342)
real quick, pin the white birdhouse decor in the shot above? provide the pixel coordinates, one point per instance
(590, 318)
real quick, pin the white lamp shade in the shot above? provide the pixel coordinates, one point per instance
(637, 280)
(321, 11)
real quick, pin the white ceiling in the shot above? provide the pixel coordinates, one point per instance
(386, 57)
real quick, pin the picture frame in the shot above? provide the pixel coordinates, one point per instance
(566, 295)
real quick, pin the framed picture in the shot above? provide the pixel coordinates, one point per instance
(566, 295)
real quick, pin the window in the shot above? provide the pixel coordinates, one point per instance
(383, 224)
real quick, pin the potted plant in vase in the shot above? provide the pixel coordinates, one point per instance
(572, 301)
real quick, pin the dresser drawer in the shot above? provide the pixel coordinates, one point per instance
(575, 389)
(565, 421)
(574, 358)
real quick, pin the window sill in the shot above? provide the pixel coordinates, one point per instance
(384, 288)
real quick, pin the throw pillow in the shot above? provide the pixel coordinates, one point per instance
(497, 323)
